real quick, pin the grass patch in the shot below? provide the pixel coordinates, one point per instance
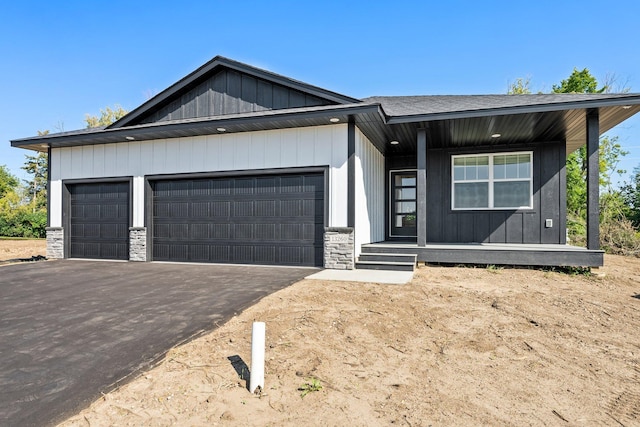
(20, 238)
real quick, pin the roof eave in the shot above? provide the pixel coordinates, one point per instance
(521, 109)
(138, 132)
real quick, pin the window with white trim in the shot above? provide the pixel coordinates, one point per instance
(492, 181)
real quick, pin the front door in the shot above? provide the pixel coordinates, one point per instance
(403, 203)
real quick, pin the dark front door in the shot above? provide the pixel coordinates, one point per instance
(99, 220)
(403, 203)
(268, 219)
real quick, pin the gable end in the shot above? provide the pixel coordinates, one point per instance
(229, 92)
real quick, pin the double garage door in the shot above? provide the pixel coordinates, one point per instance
(266, 219)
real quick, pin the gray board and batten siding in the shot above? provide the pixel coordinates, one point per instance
(524, 226)
(230, 92)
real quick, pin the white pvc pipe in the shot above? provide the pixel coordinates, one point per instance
(257, 357)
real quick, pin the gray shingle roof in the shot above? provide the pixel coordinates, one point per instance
(437, 104)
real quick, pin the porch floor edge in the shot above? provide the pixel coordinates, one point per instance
(547, 255)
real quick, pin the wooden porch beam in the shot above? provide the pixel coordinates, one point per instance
(593, 180)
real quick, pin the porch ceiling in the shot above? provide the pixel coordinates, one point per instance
(515, 129)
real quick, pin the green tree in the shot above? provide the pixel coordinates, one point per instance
(579, 82)
(631, 194)
(8, 182)
(107, 116)
(520, 87)
(23, 210)
(37, 167)
(613, 208)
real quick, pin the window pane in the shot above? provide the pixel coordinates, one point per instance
(405, 207)
(458, 173)
(499, 169)
(524, 166)
(406, 220)
(405, 180)
(512, 166)
(405, 193)
(483, 172)
(471, 168)
(471, 195)
(511, 194)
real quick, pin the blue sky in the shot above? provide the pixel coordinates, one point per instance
(62, 60)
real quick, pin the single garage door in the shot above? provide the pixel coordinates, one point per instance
(268, 219)
(99, 220)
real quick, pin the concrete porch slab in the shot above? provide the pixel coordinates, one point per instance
(370, 276)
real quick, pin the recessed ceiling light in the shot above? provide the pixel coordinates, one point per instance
(496, 135)
(334, 120)
(626, 107)
(394, 142)
(129, 138)
(221, 129)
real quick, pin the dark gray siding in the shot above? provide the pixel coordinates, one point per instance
(231, 92)
(499, 226)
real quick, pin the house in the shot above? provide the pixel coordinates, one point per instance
(235, 164)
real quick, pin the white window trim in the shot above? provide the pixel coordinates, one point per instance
(491, 180)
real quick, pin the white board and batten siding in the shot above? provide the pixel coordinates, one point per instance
(370, 187)
(282, 148)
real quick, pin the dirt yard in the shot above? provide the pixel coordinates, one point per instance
(15, 249)
(456, 346)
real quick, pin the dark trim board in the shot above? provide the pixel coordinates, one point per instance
(530, 255)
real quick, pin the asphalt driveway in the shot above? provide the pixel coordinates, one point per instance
(71, 329)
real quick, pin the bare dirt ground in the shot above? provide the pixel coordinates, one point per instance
(456, 346)
(14, 249)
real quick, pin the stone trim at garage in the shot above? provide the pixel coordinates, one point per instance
(339, 248)
(55, 242)
(137, 243)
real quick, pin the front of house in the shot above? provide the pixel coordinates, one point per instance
(234, 164)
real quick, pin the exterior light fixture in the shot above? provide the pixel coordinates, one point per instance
(334, 120)
(394, 142)
(221, 129)
(129, 138)
(626, 107)
(44, 145)
(496, 135)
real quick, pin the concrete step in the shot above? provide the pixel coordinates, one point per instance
(388, 257)
(385, 265)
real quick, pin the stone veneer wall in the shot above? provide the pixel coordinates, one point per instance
(339, 248)
(137, 244)
(55, 242)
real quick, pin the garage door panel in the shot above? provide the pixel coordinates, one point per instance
(244, 186)
(220, 231)
(252, 217)
(265, 208)
(200, 210)
(220, 208)
(179, 252)
(243, 208)
(200, 253)
(99, 220)
(243, 253)
(265, 231)
(266, 185)
(179, 210)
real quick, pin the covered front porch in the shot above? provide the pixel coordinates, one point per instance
(492, 253)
